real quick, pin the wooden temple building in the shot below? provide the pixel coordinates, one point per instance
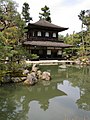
(42, 39)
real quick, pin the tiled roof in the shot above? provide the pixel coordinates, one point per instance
(47, 44)
(44, 23)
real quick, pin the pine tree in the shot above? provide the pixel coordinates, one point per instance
(11, 30)
(45, 14)
(25, 12)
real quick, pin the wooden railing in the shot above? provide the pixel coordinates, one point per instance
(42, 38)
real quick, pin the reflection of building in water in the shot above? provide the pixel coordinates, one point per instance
(44, 105)
(43, 93)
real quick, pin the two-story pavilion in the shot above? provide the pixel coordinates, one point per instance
(42, 39)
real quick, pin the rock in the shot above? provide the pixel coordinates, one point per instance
(16, 79)
(39, 74)
(23, 78)
(27, 82)
(6, 78)
(34, 68)
(31, 79)
(62, 66)
(46, 76)
(25, 72)
(77, 62)
(33, 74)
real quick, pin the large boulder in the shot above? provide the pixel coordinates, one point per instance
(31, 79)
(36, 75)
(46, 76)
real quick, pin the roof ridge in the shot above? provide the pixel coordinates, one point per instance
(43, 22)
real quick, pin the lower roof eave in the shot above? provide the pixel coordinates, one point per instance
(47, 44)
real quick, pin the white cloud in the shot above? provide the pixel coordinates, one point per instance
(63, 12)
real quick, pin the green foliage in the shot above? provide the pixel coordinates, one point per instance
(45, 14)
(61, 38)
(81, 40)
(7, 13)
(34, 56)
(84, 16)
(25, 12)
(11, 33)
(29, 67)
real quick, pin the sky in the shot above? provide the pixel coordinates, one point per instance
(64, 13)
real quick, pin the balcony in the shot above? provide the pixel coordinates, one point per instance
(42, 38)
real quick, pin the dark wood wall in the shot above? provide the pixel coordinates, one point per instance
(33, 35)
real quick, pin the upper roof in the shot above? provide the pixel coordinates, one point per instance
(46, 24)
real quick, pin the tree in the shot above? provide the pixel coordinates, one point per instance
(7, 13)
(25, 12)
(75, 40)
(11, 32)
(84, 16)
(45, 14)
(61, 38)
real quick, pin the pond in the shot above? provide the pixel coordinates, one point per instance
(65, 97)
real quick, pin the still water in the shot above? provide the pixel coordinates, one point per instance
(65, 97)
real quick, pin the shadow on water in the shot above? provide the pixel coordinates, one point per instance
(65, 97)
